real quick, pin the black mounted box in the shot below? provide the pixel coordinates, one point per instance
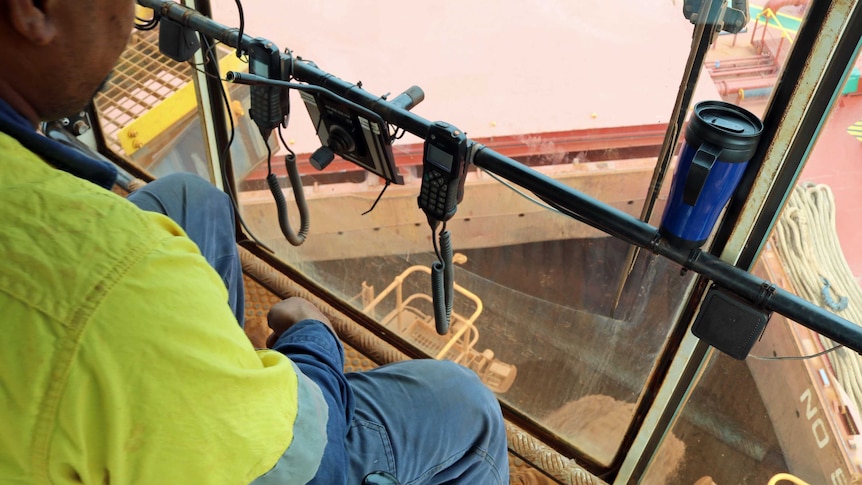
(177, 41)
(729, 323)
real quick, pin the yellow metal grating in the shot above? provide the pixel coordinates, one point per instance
(142, 79)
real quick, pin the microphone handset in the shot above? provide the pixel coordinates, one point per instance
(444, 169)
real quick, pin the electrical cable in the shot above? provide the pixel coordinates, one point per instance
(442, 279)
(438, 298)
(207, 55)
(228, 188)
(286, 147)
(239, 52)
(524, 194)
(395, 135)
(434, 240)
(797, 357)
(293, 238)
(379, 196)
(147, 24)
(448, 276)
(577, 217)
(268, 154)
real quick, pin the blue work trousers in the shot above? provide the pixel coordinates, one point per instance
(423, 421)
(206, 214)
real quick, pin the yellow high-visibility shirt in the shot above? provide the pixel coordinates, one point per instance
(120, 359)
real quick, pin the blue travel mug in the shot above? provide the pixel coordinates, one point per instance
(719, 141)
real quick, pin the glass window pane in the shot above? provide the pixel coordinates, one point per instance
(570, 89)
(580, 92)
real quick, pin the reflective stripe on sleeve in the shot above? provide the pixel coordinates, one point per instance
(300, 461)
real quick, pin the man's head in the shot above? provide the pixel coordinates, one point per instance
(56, 53)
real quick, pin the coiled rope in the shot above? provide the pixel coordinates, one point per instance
(807, 243)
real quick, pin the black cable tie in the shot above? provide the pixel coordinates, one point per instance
(693, 255)
(766, 291)
(654, 242)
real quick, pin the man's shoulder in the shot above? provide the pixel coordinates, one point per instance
(62, 242)
(62, 235)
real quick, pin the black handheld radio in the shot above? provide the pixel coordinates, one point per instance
(444, 169)
(268, 103)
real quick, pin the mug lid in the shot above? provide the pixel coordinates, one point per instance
(733, 129)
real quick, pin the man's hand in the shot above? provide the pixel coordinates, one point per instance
(289, 312)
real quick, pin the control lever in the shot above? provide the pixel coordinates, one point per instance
(409, 98)
(340, 140)
(321, 157)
